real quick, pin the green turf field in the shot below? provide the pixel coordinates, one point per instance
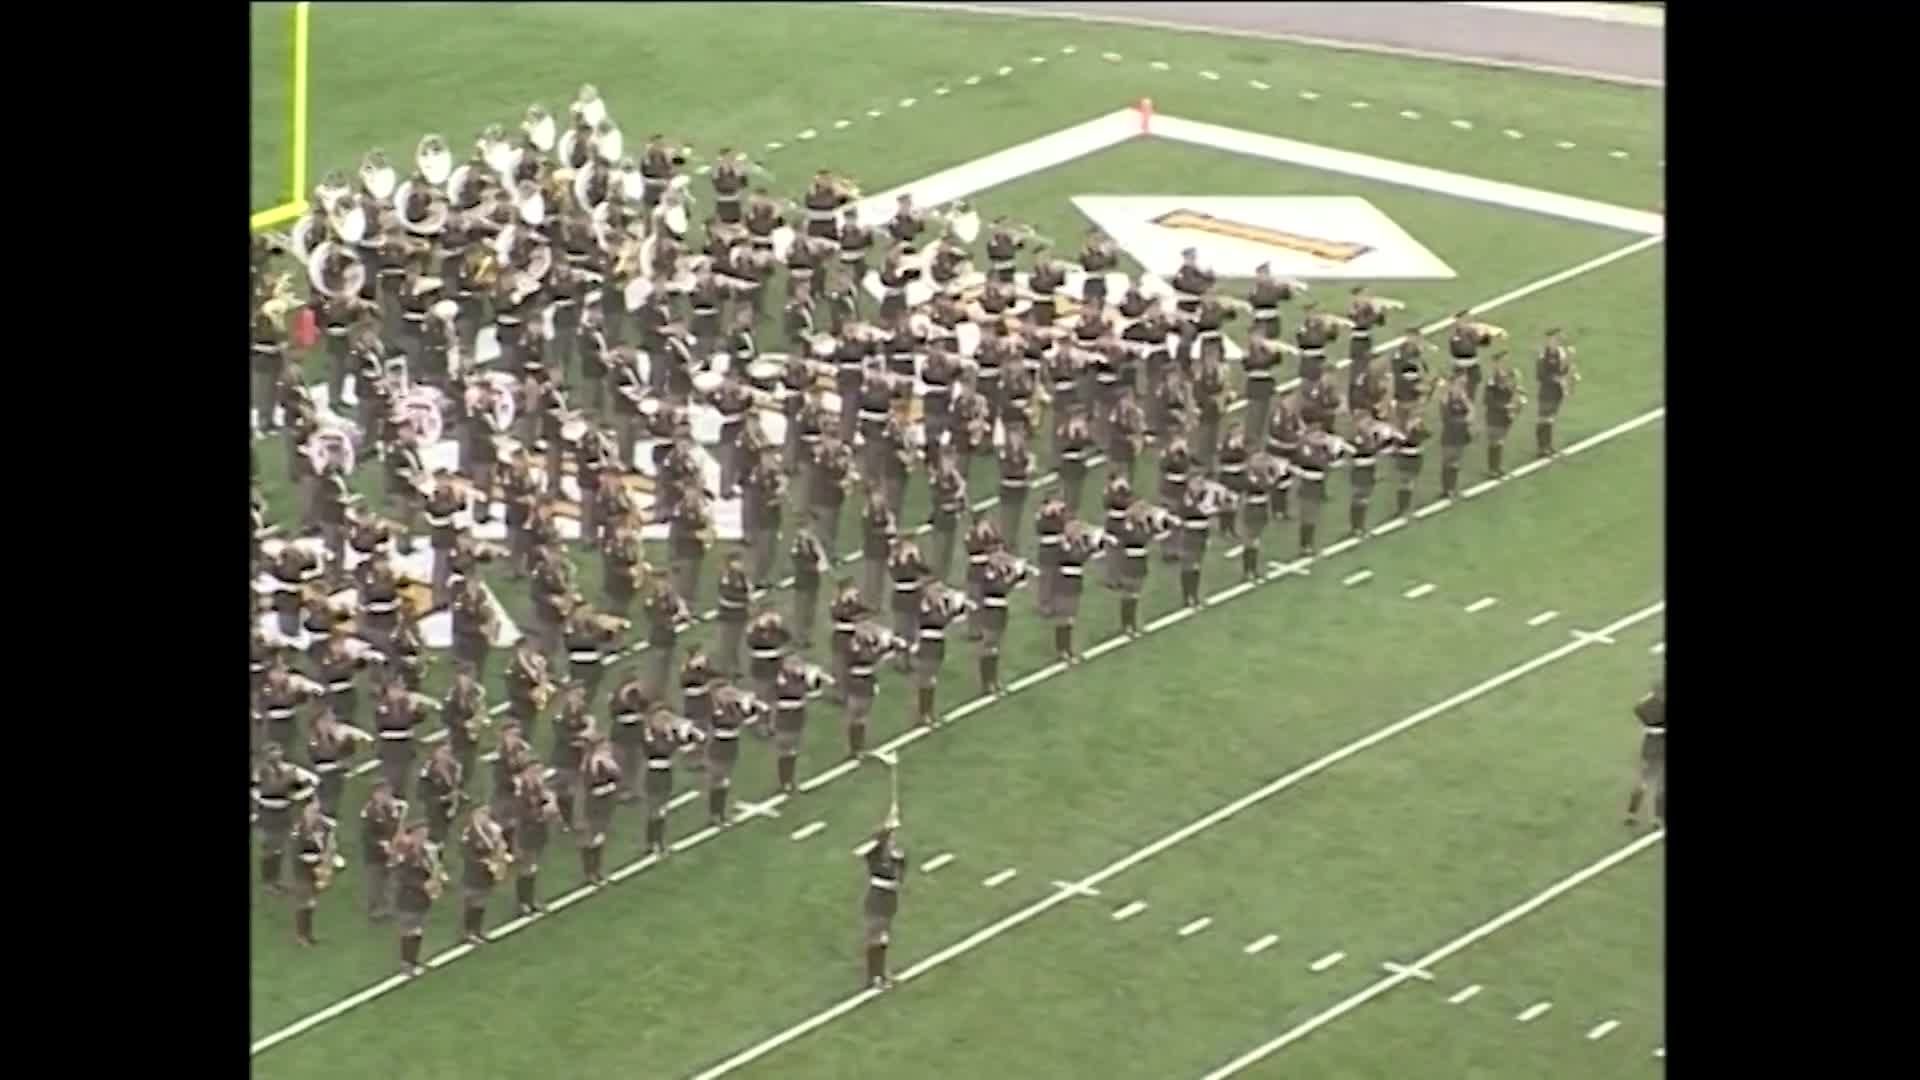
(1385, 856)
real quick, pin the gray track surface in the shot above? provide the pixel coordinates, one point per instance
(1610, 51)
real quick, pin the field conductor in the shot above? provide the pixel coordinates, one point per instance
(886, 873)
(1651, 711)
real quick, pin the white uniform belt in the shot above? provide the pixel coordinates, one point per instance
(275, 804)
(1200, 524)
(1471, 361)
(906, 586)
(626, 719)
(584, 656)
(1006, 483)
(327, 767)
(1052, 540)
(279, 714)
(1265, 374)
(1073, 455)
(1411, 451)
(1256, 499)
(396, 734)
(1073, 571)
(1656, 731)
(930, 634)
(1266, 313)
(860, 671)
(659, 764)
(340, 686)
(790, 704)
(875, 415)
(1233, 468)
(382, 607)
(1310, 474)
(765, 654)
(978, 560)
(884, 883)
(994, 601)
(1137, 552)
(726, 734)
(1365, 462)
(604, 789)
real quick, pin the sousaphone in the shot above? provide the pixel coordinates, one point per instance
(421, 408)
(434, 160)
(628, 181)
(348, 220)
(530, 203)
(422, 209)
(540, 130)
(308, 233)
(588, 107)
(500, 155)
(334, 271)
(961, 220)
(377, 178)
(608, 144)
(332, 188)
(331, 444)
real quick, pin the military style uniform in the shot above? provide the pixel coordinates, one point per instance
(909, 576)
(1311, 339)
(736, 592)
(733, 710)
(441, 792)
(485, 847)
(1176, 466)
(1265, 474)
(940, 372)
(810, 563)
(625, 571)
(313, 850)
(394, 717)
(330, 750)
(1001, 574)
(1196, 521)
(833, 467)
(1369, 442)
(416, 880)
(603, 779)
(1463, 343)
(761, 509)
(663, 738)
(1651, 711)
(878, 532)
(948, 503)
(528, 684)
(886, 874)
(535, 813)
(982, 540)
(666, 613)
(767, 642)
(790, 689)
(1502, 401)
(866, 649)
(629, 705)
(938, 609)
(697, 683)
(1456, 431)
(1556, 376)
(845, 612)
(474, 624)
(1016, 477)
(277, 789)
(380, 821)
(1048, 524)
(1409, 453)
(465, 712)
(1311, 462)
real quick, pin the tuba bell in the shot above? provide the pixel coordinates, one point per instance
(422, 209)
(531, 203)
(308, 233)
(608, 144)
(349, 220)
(539, 128)
(332, 188)
(434, 160)
(500, 155)
(377, 178)
(588, 106)
(961, 220)
(334, 271)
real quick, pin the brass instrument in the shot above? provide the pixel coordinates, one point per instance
(323, 870)
(436, 872)
(498, 856)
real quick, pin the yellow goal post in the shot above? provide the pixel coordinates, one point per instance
(296, 203)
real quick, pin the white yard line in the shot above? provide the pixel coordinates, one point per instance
(1534, 1012)
(1000, 878)
(1419, 591)
(1481, 605)
(1491, 926)
(1357, 577)
(1602, 1030)
(812, 828)
(1129, 911)
(1464, 996)
(1261, 945)
(1543, 618)
(1179, 836)
(937, 862)
(1196, 926)
(1327, 961)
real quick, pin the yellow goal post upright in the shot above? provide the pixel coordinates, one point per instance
(296, 203)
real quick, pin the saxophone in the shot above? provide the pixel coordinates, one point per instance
(323, 870)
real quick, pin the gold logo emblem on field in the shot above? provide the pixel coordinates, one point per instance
(1331, 250)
